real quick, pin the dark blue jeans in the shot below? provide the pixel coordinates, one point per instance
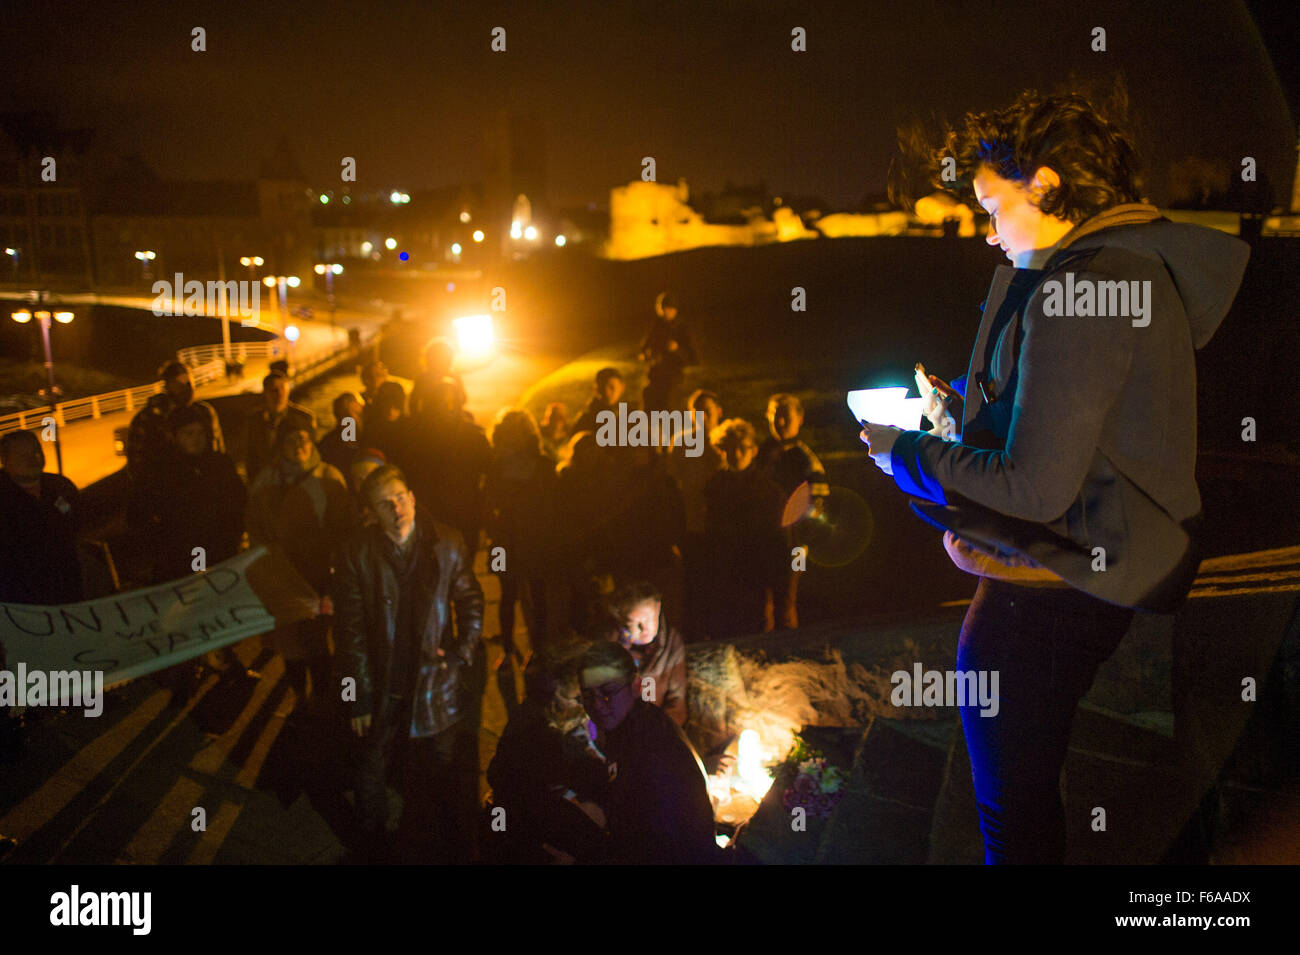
(1046, 645)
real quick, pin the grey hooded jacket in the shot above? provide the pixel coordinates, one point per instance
(1078, 444)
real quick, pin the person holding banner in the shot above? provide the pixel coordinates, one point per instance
(301, 505)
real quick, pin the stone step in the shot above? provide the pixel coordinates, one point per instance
(1114, 764)
(884, 815)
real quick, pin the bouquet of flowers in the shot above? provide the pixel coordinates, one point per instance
(816, 786)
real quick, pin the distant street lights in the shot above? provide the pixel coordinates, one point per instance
(252, 263)
(22, 317)
(283, 283)
(329, 270)
(13, 255)
(145, 256)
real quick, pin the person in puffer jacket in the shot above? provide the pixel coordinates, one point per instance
(1071, 493)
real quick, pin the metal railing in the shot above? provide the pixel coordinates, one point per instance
(206, 363)
(197, 355)
(80, 409)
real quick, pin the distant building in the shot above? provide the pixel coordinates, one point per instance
(427, 225)
(85, 228)
(651, 218)
(44, 225)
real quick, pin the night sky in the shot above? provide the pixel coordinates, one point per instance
(711, 90)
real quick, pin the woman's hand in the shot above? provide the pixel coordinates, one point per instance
(879, 439)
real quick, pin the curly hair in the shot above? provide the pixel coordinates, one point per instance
(733, 433)
(1094, 158)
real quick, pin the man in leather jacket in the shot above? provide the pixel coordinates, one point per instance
(411, 681)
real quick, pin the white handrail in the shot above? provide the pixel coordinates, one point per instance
(206, 363)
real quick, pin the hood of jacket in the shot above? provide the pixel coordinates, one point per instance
(1206, 265)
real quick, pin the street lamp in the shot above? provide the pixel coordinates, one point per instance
(22, 317)
(13, 255)
(329, 270)
(145, 256)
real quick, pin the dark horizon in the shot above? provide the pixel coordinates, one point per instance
(715, 99)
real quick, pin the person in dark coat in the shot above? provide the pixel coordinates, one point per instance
(520, 496)
(608, 392)
(1071, 492)
(547, 775)
(645, 528)
(446, 456)
(692, 472)
(148, 443)
(202, 504)
(150, 451)
(437, 360)
(417, 674)
(745, 537)
(794, 468)
(387, 425)
(261, 427)
(39, 521)
(658, 809)
(339, 447)
(668, 350)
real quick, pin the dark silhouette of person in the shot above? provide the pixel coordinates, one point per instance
(39, 514)
(668, 351)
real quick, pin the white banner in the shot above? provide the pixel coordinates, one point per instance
(142, 631)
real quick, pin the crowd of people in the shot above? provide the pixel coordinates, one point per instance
(616, 556)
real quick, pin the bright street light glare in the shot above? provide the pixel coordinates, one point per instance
(22, 318)
(291, 332)
(366, 247)
(269, 281)
(294, 281)
(63, 317)
(530, 233)
(475, 336)
(324, 199)
(515, 230)
(560, 240)
(318, 269)
(455, 248)
(478, 235)
(464, 217)
(336, 269)
(395, 197)
(390, 243)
